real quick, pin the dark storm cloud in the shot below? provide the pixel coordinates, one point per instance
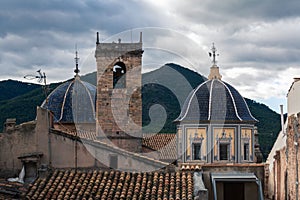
(70, 16)
(247, 33)
(235, 11)
(262, 36)
(44, 32)
(263, 30)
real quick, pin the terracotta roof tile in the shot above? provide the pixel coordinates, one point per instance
(100, 184)
(84, 134)
(12, 190)
(165, 143)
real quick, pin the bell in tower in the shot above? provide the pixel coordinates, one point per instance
(119, 101)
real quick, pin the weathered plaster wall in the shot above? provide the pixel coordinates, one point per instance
(14, 143)
(58, 149)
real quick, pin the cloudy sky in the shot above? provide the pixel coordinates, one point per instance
(258, 41)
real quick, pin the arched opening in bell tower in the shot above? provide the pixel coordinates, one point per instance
(119, 75)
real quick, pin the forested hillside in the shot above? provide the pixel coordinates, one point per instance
(166, 86)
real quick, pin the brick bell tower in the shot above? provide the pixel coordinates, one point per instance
(119, 99)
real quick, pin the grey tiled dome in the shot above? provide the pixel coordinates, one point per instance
(72, 101)
(215, 100)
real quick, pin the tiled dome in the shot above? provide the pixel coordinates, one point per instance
(72, 101)
(215, 100)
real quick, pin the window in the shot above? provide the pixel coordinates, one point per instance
(246, 144)
(197, 151)
(224, 147)
(119, 75)
(195, 146)
(246, 151)
(224, 151)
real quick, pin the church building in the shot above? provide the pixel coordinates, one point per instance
(215, 124)
(87, 141)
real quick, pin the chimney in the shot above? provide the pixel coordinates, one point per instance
(141, 37)
(9, 125)
(97, 41)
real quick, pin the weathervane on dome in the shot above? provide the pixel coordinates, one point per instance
(76, 70)
(214, 69)
(213, 54)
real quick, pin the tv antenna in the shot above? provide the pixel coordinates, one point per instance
(40, 78)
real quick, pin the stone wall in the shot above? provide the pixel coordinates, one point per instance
(119, 110)
(283, 181)
(280, 172)
(293, 157)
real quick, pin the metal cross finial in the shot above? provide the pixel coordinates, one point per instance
(213, 54)
(76, 61)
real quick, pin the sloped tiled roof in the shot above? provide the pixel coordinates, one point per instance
(97, 184)
(84, 134)
(164, 143)
(11, 190)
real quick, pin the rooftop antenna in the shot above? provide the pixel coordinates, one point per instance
(76, 61)
(40, 78)
(213, 54)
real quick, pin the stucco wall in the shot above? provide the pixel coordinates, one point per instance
(14, 143)
(294, 98)
(58, 149)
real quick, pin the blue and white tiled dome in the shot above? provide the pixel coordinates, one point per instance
(215, 100)
(72, 102)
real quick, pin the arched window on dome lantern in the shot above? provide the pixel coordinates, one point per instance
(119, 75)
(246, 144)
(224, 147)
(196, 142)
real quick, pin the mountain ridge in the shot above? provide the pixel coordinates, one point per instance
(158, 88)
